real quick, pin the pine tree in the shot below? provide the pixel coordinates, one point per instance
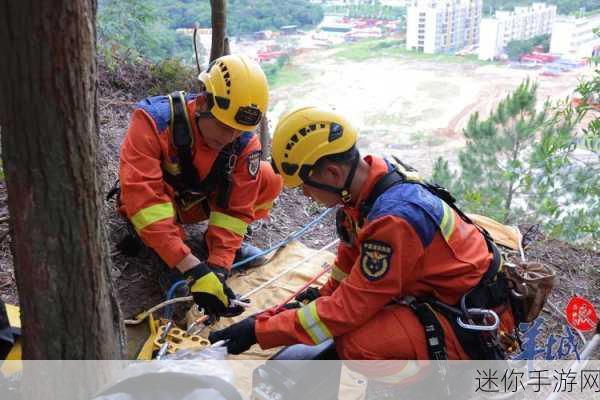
(492, 164)
(525, 164)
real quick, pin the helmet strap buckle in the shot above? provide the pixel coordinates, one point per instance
(346, 196)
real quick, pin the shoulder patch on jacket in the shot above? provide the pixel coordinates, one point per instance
(421, 209)
(375, 259)
(254, 163)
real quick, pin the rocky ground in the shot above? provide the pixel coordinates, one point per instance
(136, 276)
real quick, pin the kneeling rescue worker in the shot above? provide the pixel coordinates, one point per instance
(414, 278)
(189, 158)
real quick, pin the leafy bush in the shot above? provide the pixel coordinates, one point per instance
(243, 16)
(140, 26)
(121, 69)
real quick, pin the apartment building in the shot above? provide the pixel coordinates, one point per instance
(574, 37)
(442, 26)
(521, 24)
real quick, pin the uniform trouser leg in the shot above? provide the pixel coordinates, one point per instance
(393, 335)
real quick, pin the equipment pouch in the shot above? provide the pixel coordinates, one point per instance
(192, 207)
(187, 200)
(530, 285)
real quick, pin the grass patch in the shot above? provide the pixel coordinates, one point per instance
(378, 48)
(286, 75)
(427, 139)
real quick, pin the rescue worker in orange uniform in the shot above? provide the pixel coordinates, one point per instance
(405, 263)
(191, 158)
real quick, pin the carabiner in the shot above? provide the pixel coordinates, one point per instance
(483, 313)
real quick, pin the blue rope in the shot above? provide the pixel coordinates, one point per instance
(293, 236)
(285, 241)
(170, 294)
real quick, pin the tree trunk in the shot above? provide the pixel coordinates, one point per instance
(219, 28)
(49, 147)
(265, 138)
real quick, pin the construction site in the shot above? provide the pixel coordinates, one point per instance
(405, 106)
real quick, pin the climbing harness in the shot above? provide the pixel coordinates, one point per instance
(473, 320)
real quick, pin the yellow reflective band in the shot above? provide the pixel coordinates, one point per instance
(209, 283)
(152, 214)
(410, 369)
(338, 274)
(228, 222)
(448, 222)
(312, 324)
(172, 168)
(264, 206)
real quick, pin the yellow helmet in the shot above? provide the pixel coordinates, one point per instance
(304, 136)
(237, 91)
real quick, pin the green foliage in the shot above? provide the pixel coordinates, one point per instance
(516, 48)
(147, 27)
(442, 174)
(243, 16)
(273, 69)
(121, 70)
(524, 164)
(378, 48)
(140, 26)
(172, 74)
(563, 6)
(368, 11)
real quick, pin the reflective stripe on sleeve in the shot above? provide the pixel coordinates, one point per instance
(312, 324)
(228, 222)
(172, 168)
(410, 369)
(448, 222)
(264, 206)
(337, 273)
(152, 214)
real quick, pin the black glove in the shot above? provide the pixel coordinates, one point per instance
(239, 336)
(310, 294)
(303, 298)
(211, 293)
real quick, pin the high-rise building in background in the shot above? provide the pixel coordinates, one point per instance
(521, 24)
(436, 26)
(574, 37)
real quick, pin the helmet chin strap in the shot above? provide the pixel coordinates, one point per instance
(344, 191)
(203, 114)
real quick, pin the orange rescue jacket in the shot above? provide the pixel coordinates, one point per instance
(148, 200)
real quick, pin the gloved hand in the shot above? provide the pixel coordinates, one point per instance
(239, 336)
(304, 297)
(211, 293)
(308, 295)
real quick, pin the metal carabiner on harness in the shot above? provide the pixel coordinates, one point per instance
(476, 312)
(231, 162)
(479, 312)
